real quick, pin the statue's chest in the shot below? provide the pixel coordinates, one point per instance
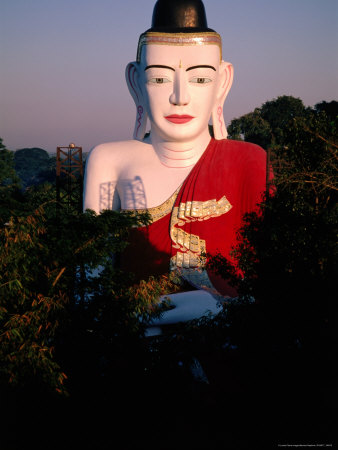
(142, 186)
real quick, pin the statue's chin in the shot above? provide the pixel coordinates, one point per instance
(179, 133)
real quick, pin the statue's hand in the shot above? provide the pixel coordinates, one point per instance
(188, 306)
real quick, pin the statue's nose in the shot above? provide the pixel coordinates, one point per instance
(180, 95)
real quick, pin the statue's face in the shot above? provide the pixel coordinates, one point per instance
(180, 86)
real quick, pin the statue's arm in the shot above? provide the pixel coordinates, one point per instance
(100, 180)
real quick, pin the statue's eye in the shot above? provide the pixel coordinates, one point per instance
(201, 80)
(158, 80)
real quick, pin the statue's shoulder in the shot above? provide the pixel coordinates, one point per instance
(115, 149)
(241, 149)
(115, 155)
(242, 146)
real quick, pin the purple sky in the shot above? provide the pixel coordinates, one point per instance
(62, 62)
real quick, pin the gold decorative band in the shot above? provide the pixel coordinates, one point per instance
(192, 211)
(156, 38)
(157, 212)
(190, 247)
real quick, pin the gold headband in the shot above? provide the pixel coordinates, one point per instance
(202, 38)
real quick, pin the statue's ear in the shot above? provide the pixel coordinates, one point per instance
(226, 73)
(132, 78)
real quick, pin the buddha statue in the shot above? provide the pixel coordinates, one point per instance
(195, 187)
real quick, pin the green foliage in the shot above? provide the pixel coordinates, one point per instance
(306, 158)
(330, 109)
(30, 305)
(265, 125)
(71, 321)
(10, 195)
(59, 288)
(8, 176)
(252, 127)
(288, 250)
(279, 112)
(34, 166)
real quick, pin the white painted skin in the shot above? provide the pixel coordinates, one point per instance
(142, 174)
(187, 306)
(139, 174)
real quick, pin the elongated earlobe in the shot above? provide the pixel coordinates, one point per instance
(225, 82)
(135, 91)
(218, 124)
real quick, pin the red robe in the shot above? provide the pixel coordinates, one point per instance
(227, 181)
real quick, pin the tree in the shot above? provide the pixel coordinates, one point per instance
(34, 166)
(8, 175)
(251, 127)
(278, 113)
(22, 192)
(10, 194)
(287, 251)
(52, 302)
(265, 125)
(330, 109)
(286, 261)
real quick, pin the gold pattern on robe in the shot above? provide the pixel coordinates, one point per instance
(192, 211)
(190, 246)
(157, 212)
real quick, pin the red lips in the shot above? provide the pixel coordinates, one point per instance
(177, 118)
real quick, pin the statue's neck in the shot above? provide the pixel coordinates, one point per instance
(180, 154)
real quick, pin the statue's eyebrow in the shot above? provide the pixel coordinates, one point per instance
(201, 66)
(159, 66)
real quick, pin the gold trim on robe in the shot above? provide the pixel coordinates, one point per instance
(190, 246)
(157, 212)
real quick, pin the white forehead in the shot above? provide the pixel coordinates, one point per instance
(185, 55)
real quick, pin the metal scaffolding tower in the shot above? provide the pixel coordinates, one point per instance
(69, 177)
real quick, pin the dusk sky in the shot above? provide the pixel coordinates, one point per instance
(63, 61)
